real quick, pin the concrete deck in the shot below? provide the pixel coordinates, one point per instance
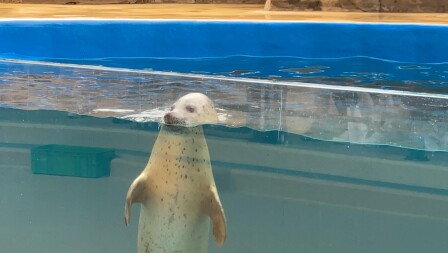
(206, 11)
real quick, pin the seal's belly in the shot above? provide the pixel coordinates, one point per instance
(172, 222)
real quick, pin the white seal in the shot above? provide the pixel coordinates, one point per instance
(176, 189)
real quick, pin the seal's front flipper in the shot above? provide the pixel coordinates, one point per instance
(213, 207)
(136, 194)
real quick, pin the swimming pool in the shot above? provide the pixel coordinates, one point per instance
(332, 137)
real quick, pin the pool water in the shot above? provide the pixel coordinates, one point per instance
(299, 166)
(297, 195)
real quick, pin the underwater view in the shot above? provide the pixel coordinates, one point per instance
(308, 155)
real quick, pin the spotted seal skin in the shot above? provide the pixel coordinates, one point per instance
(176, 189)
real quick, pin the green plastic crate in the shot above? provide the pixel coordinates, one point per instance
(71, 161)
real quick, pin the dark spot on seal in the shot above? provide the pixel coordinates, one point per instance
(147, 247)
(196, 150)
(161, 199)
(186, 176)
(175, 196)
(171, 219)
(185, 215)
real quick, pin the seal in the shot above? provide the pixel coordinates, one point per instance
(176, 189)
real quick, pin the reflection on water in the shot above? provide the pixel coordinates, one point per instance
(337, 113)
(294, 195)
(350, 71)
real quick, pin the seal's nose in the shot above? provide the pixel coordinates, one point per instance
(168, 118)
(173, 118)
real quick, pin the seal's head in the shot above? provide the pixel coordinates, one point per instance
(191, 110)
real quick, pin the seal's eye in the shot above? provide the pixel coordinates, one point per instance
(190, 108)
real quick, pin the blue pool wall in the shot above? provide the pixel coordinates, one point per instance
(82, 39)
